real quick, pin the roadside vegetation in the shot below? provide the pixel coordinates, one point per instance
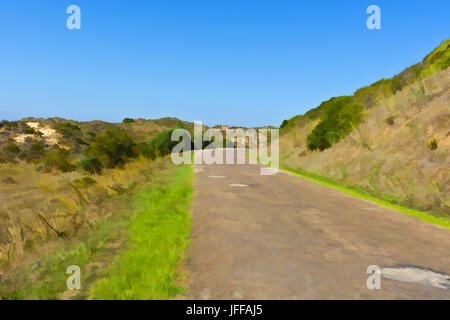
(437, 218)
(157, 240)
(436, 61)
(389, 140)
(67, 197)
(341, 115)
(160, 146)
(151, 224)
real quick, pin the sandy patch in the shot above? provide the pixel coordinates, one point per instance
(50, 136)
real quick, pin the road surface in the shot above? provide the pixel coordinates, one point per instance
(283, 237)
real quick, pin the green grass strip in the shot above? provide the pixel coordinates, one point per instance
(331, 184)
(157, 240)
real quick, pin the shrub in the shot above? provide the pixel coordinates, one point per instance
(11, 149)
(29, 130)
(67, 129)
(390, 120)
(36, 151)
(33, 151)
(81, 141)
(91, 165)
(113, 148)
(9, 125)
(433, 144)
(58, 158)
(127, 120)
(139, 148)
(10, 152)
(437, 60)
(84, 182)
(382, 89)
(339, 117)
(26, 129)
(284, 124)
(28, 245)
(160, 146)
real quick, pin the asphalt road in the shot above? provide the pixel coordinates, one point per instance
(283, 237)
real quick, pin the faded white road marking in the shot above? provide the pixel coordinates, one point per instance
(417, 275)
(238, 185)
(198, 169)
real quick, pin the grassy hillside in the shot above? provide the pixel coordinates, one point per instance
(390, 139)
(106, 233)
(66, 145)
(67, 188)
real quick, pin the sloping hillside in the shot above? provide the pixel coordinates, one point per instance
(30, 138)
(391, 139)
(59, 177)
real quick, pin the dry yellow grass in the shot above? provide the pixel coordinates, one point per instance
(39, 209)
(389, 154)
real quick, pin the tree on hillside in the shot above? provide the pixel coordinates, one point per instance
(113, 148)
(160, 145)
(128, 120)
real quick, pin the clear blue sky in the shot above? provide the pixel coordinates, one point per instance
(243, 62)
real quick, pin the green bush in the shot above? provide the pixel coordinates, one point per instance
(85, 181)
(340, 116)
(80, 141)
(11, 124)
(91, 165)
(437, 60)
(26, 129)
(11, 149)
(10, 152)
(160, 146)
(127, 120)
(113, 148)
(67, 129)
(382, 89)
(390, 120)
(58, 158)
(433, 144)
(34, 153)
